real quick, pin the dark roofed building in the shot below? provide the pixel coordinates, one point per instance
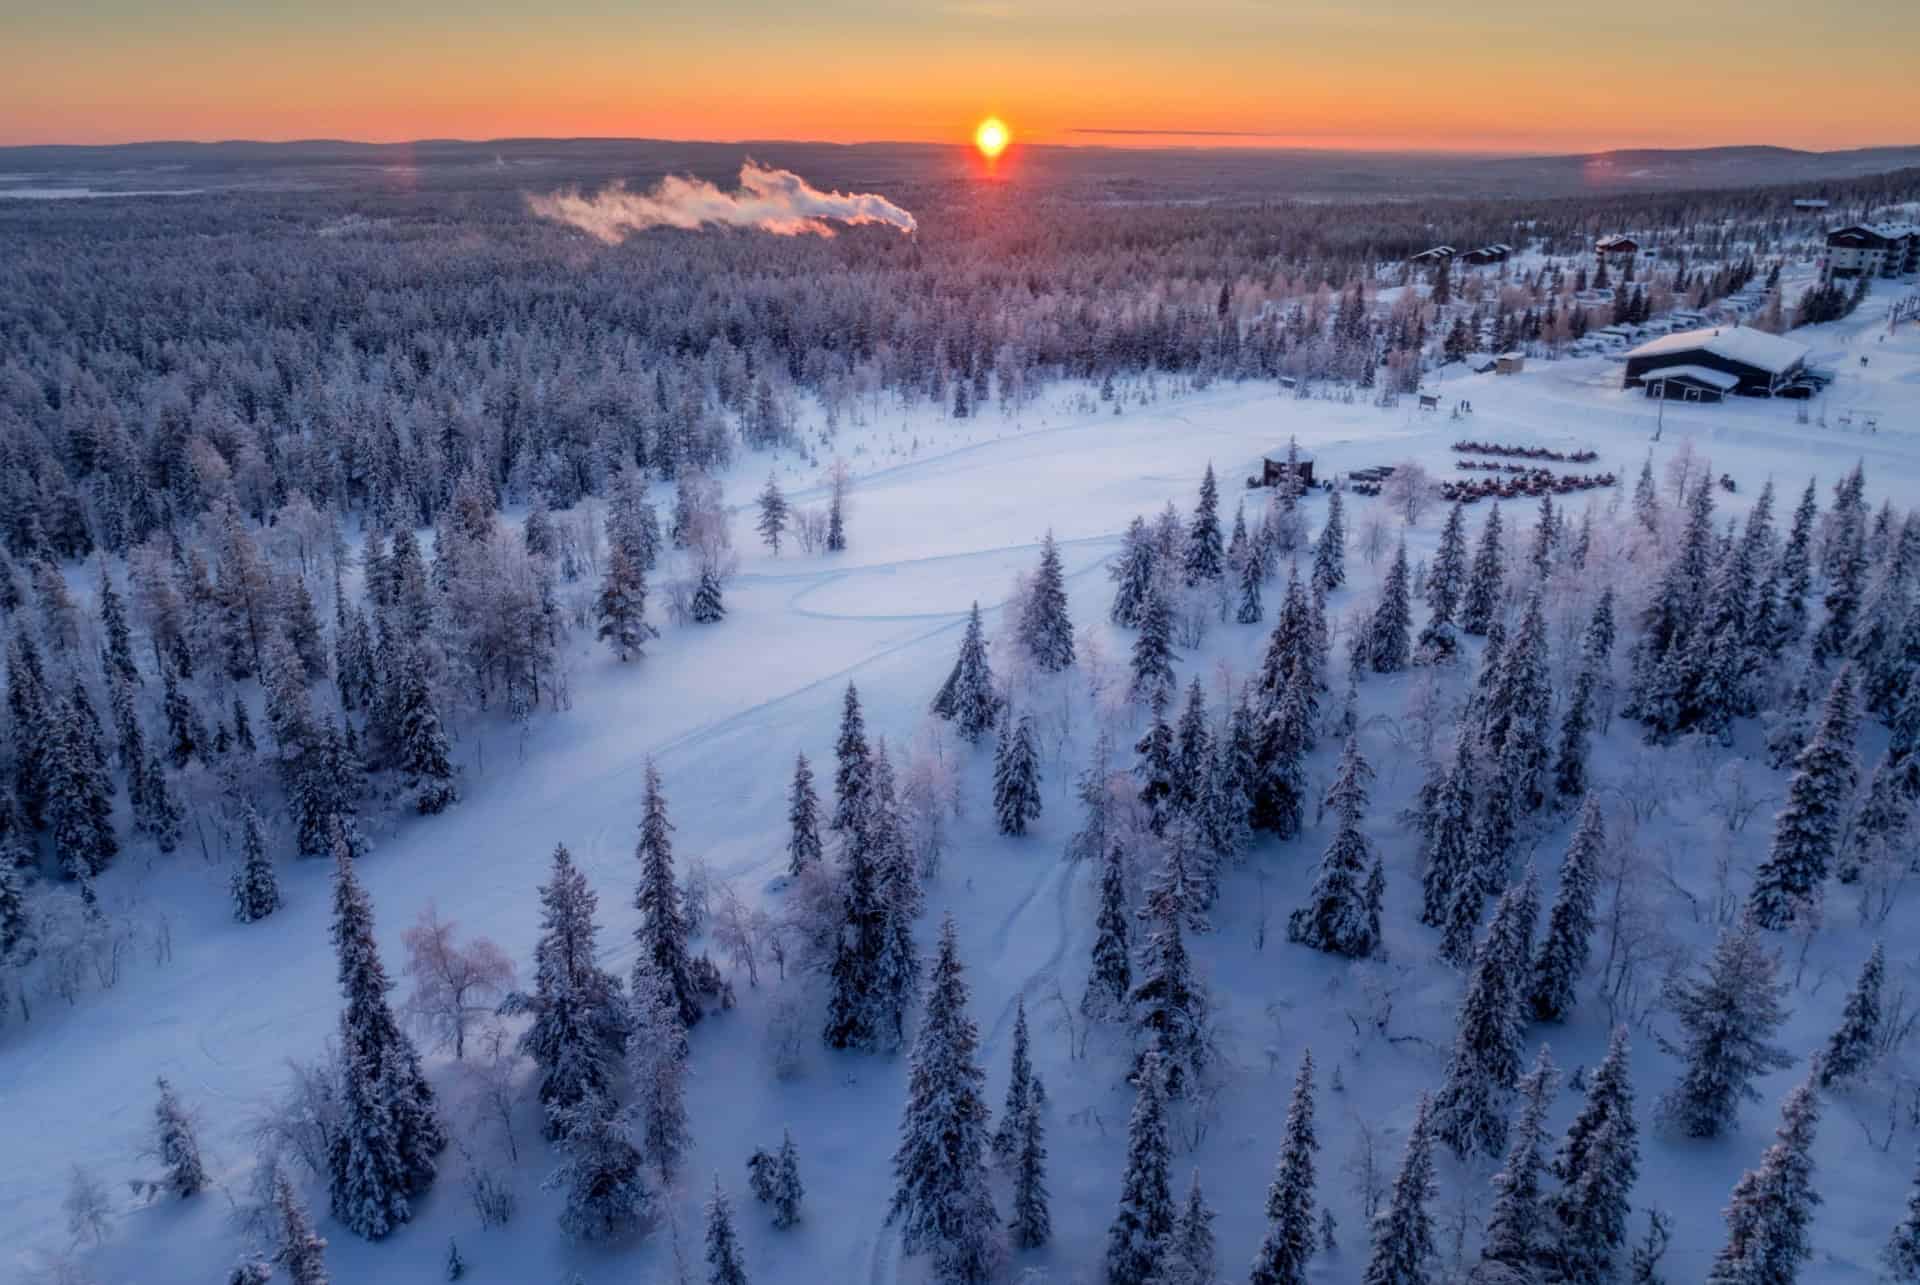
(1435, 255)
(1616, 245)
(1718, 361)
(1275, 468)
(1874, 249)
(1498, 252)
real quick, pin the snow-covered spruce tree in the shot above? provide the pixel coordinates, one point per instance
(390, 1131)
(1806, 832)
(1284, 733)
(724, 1266)
(1330, 550)
(772, 523)
(601, 1175)
(1046, 631)
(175, 1144)
(579, 1017)
(1251, 572)
(1450, 872)
(1646, 497)
(1170, 1004)
(898, 969)
(251, 1271)
(1596, 1164)
(709, 605)
(1094, 788)
(1481, 600)
(1019, 1087)
(1133, 575)
(1446, 582)
(157, 812)
(837, 513)
(1772, 1205)
(79, 806)
(186, 734)
(1670, 615)
(1192, 757)
(1289, 1244)
(1389, 635)
(302, 1251)
(1289, 644)
(1016, 778)
(1403, 1246)
(1110, 979)
(1727, 1018)
(423, 744)
(1190, 1257)
(1152, 662)
(1846, 567)
(787, 1190)
(117, 656)
(1205, 558)
(1514, 1223)
(851, 766)
(1576, 725)
(941, 1197)
(34, 729)
(854, 1019)
(1137, 1239)
(1032, 1224)
(1561, 961)
(1469, 1112)
(1518, 720)
(1338, 917)
(1901, 1256)
(1850, 1049)
(803, 819)
(1546, 537)
(662, 931)
(1154, 769)
(1223, 808)
(621, 607)
(656, 1068)
(1793, 574)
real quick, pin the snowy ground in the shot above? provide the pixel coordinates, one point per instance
(724, 710)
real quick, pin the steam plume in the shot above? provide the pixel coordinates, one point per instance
(777, 201)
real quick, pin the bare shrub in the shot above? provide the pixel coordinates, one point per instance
(454, 986)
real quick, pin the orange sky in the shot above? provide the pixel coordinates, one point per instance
(1507, 75)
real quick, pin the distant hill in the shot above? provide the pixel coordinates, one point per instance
(1699, 166)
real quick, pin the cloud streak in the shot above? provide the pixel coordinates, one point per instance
(776, 201)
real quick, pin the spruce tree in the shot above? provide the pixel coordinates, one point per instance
(1446, 582)
(1576, 725)
(1205, 558)
(1851, 1048)
(1772, 1205)
(118, 654)
(967, 698)
(1133, 575)
(1110, 978)
(1901, 1256)
(1190, 1258)
(1019, 1087)
(1169, 1003)
(941, 1197)
(723, 1246)
(424, 762)
(1032, 1224)
(1514, 1223)
(1330, 550)
(1389, 636)
(1728, 1018)
(1596, 1164)
(175, 1144)
(1289, 1244)
(1806, 832)
(1283, 737)
(1793, 574)
(256, 892)
(1450, 872)
(1403, 1244)
(787, 1190)
(1138, 1238)
(1481, 599)
(1561, 961)
(803, 819)
(1192, 756)
(1469, 1112)
(656, 1067)
(1338, 917)
(157, 812)
(621, 607)
(1250, 611)
(1016, 778)
(853, 1019)
(772, 523)
(601, 1176)
(79, 808)
(708, 607)
(390, 1134)
(1046, 631)
(662, 931)
(302, 1251)
(579, 1019)
(1152, 665)
(851, 766)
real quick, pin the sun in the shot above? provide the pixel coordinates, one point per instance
(991, 137)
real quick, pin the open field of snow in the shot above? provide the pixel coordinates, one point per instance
(723, 711)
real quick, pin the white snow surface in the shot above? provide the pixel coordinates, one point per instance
(724, 708)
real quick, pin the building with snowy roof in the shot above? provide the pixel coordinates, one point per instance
(1720, 360)
(1435, 255)
(1616, 245)
(1874, 250)
(1498, 252)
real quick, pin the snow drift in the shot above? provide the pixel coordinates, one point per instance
(777, 201)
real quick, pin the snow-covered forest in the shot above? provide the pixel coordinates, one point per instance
(729, 757)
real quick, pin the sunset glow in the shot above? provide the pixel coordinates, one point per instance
(991, 137)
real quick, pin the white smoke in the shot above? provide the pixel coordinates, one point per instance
(777, 201)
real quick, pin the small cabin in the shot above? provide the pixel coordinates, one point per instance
(1509, 363)
(1499, 252)
(1612, 245)
(1435, 255)
(1274, 470)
